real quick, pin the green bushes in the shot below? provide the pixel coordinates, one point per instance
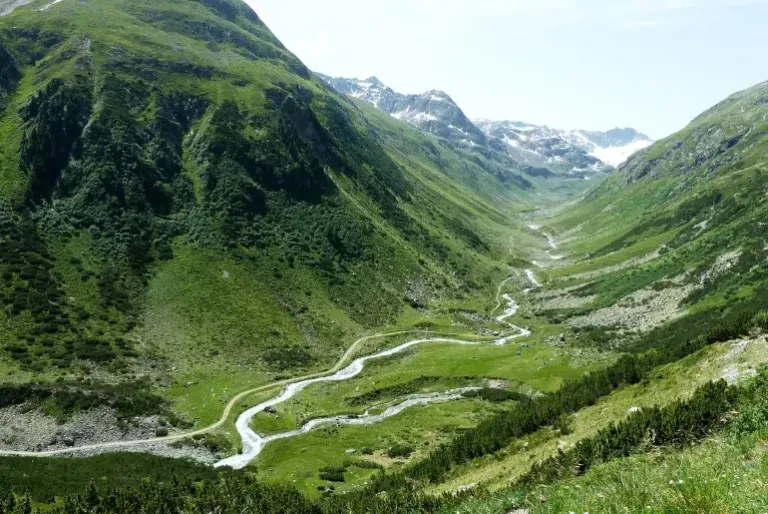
(679, 424)
(563, 425)
(495, 395)
(400, 451)
(9, 74)
(287, 357)
(129, 399)
(234, 495)
(47, 478)
(752, 415)
(333, 473)
(55, 118)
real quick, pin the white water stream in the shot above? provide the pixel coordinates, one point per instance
(254, 443)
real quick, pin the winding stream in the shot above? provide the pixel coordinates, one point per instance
(550, 241)
(254, 443)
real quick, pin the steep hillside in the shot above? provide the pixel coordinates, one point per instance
(207, 252)
(676, 233)
(185, 208)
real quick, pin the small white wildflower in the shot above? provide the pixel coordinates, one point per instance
(672, 483)
(680, 481)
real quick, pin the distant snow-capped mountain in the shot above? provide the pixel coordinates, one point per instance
(613, 147)
(543, 147)
(577, 153)
(533, 142)
(434, 111)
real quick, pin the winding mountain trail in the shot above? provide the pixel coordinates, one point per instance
(253, 443)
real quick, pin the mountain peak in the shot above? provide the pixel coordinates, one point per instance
(433, 111)
(375, 81)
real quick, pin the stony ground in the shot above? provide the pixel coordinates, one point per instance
(25, 429)
(33, 430)
(641, 311)
(644, 309)
(162, 449)
(7, 6)
(630, 263)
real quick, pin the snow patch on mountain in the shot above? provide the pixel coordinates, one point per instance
(584, 151)
(613, 147)
(540, 146)
(618, 155)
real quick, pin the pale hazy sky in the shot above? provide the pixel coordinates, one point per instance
(594, 64)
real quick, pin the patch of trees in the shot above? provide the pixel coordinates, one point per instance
(332, 473)
(129, 399)
(496, 395)
(43, 479)
(286, 357)
(9, 73)
(54, 120)
(233, 495)
(412, 386)
(400, 451)
(677, 425)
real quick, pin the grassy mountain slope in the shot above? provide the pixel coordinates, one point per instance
(178, 192)
(685, 214)
(668, 251)
(669, 269)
